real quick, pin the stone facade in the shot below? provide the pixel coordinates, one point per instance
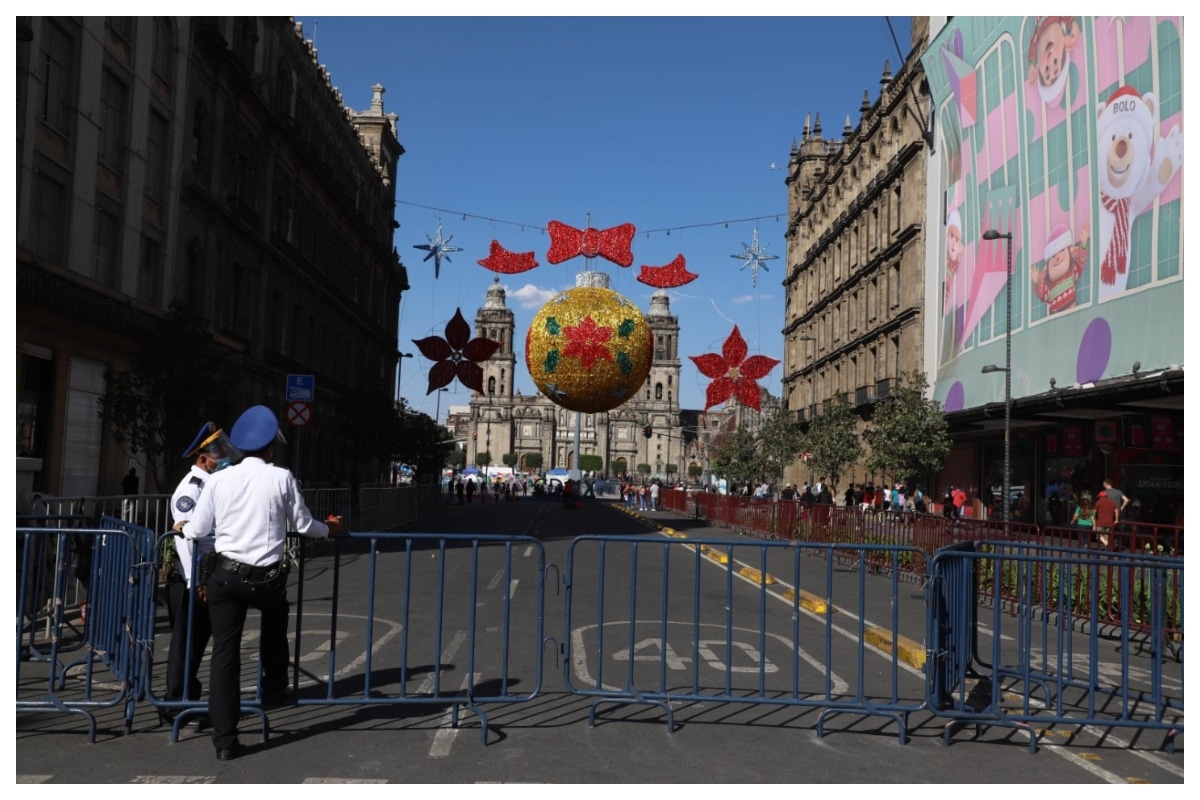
(856, 250)
(209, 162)
(503, 421)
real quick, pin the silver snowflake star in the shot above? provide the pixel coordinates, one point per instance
(754, 258)
(437, 250)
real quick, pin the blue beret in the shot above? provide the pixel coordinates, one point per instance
(207, 430)
(256, 428)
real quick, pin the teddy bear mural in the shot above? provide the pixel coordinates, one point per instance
(1134, 168)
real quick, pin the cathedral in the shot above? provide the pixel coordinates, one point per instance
(503, 421)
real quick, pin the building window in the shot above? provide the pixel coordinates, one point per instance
(149, 287)
(491, 384)
(108, 248)
(895, 285)
(56, 104)
(114, 121)
(157, 164)
(50, 219)
(164, 48)
(658, 389)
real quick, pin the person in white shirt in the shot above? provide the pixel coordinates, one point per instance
(210, 451)
(248, 508)
(654, 496)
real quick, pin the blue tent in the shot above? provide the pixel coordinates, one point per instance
(558, 472)
(470, 471)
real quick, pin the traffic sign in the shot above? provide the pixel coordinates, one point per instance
(300, 387)
(299, 414)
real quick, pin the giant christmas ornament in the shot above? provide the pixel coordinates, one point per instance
(733, 374)
(589, 349)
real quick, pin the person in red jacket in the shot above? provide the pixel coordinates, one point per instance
(960, 500)
(1108, 514)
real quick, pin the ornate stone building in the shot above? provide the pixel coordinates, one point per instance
(503, 421)
(209, 162)
(855, 287)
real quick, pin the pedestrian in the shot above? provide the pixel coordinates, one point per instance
(1107, 515)
(1085, 515)
(129, 484)
(187, 608)
(470, 489)
(868, 497)
(654, 488)
(249, 506)
(458, 490)
(959, 499)
(642, 497)
(1117, 496)
(919, 500)
(788, 493)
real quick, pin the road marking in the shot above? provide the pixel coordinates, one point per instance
(446, 734)
(495, 581)
(34, 778)
(512, 587)
(173, 779)
(344, 780)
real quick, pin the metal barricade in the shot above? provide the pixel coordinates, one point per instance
(1074, 637)
(387, 508)
(119, 578)
(760, 629)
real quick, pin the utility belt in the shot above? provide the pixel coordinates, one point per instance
(249, 573)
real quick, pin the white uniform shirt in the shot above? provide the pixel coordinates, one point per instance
(183, 503)
(249, 507)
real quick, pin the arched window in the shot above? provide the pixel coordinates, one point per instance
(658, 389)
(491, 384)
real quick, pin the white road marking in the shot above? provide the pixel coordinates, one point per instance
(173, 779)
(512, 587)
(495, 581)
(446, 734)
(1080, 761)
(426, 686)
(528, 551)
(344, 780)
(34, 778)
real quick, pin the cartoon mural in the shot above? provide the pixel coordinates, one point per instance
(1067, 133)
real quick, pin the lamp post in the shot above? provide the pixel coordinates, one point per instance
(813, 408)
(438, 414)
(991, 236)
(400, 363)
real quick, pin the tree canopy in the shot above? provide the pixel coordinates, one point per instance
(780, 442)
(908, 434)
(738, 457)
(833, 440)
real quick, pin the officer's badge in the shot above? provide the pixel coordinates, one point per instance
(185, 504)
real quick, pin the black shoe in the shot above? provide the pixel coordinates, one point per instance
(276, 699)
(229, 753)
(199, 721)
(167, 716)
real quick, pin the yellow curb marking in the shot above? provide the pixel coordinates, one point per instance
(906, 649)
(810, 601)
(715, 555)
(757, 576)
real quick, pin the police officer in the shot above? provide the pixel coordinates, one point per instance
(209, 451)
(249, 507)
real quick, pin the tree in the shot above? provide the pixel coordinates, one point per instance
(695, 471)
(483, 458)
(908, 435)
(779, 441)
(590, 462)
(456, 459)
(834, 441)
(374, 429)
(533, 461)
(510, 459)
(181, 378)
(643, 469)
(671, 469)
(738, 458)
(420, 442)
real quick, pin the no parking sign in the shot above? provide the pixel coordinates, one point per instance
(299, 414)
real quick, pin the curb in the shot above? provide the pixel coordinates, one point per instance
(904, 648)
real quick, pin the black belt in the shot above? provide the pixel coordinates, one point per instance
(247, 571)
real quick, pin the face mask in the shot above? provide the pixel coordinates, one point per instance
(222, 463)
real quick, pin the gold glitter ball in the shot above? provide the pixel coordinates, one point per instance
(589, 349)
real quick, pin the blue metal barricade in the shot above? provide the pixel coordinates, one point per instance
(1054, 654)
(660, 626)
(117, 574)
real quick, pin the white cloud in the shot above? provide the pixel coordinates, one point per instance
(746, 298)
(530, 296)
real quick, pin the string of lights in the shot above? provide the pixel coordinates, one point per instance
(542, 228)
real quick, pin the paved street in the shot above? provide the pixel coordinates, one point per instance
(547, 737)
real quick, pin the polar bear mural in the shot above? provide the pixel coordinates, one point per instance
(1134, 169)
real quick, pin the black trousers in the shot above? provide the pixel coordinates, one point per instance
(229, 598)
(197, 622)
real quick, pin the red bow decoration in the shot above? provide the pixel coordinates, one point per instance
(612, 244)
(733, 374)
(455, 356)
(506, 261)
(668, 276)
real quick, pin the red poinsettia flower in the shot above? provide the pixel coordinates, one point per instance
(457, 355)
(733, 374)
(588, 342)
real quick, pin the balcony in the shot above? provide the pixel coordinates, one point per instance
(883, 389)
(863, 395)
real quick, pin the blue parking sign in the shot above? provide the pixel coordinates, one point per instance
(300, 387)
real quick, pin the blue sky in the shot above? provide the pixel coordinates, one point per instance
(668, 123)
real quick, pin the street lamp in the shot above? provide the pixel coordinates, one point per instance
(400, 363)
(438, 414)
(991, 236)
